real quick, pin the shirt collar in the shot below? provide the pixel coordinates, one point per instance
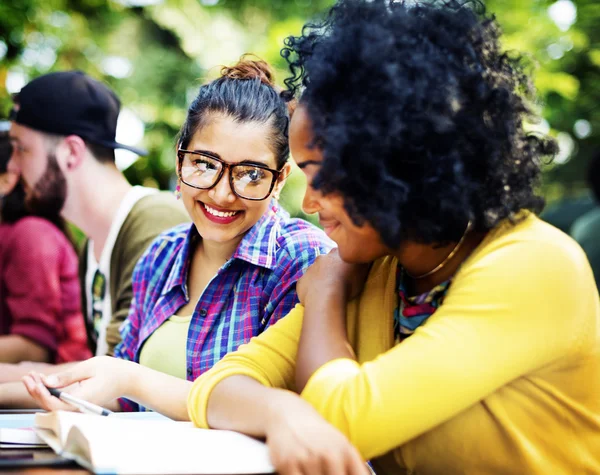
(259, 245)
(179, 271)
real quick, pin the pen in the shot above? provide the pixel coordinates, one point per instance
(83, 406)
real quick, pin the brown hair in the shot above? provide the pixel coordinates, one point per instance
(250, 69)
(257, 68)
(247, 93)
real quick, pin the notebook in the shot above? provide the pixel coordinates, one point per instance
(20, 439)
(16, 431)
(127, 446)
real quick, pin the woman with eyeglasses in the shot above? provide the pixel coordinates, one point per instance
(203, 289)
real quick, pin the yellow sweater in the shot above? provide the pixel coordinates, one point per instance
(503, 378)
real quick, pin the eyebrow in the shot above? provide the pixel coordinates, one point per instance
(243, 162)
(303, 165)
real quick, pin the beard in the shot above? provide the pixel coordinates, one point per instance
(47, 198)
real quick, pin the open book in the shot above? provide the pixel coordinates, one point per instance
(17, 428)
(126, 446)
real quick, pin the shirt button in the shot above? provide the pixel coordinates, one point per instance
(189, 371)
(203, 312)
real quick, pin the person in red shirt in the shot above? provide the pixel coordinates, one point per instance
(40, 296)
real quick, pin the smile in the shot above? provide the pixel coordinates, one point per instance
(218, 216)
(218, 213)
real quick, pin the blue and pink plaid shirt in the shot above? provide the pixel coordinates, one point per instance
(253, 289)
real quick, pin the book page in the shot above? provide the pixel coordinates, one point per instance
(60, 422)
(145, 444)
(153, 447)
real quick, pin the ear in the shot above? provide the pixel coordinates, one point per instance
(177, 162)
(75, 152)
(285, 172)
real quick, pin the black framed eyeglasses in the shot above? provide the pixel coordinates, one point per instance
(248, 181)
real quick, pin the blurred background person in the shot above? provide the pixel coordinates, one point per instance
(63, 131)
(40, 305)
(8, 178)
(586, 229)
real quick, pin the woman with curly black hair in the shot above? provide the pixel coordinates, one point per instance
(473, 344)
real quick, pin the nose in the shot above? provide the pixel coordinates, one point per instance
(311, 202)
(221, 192)
(12, 165)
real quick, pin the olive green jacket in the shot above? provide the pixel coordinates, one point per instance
(150, 216)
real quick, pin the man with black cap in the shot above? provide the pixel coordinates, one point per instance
(63, 134)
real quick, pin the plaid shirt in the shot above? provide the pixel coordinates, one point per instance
(251, 291)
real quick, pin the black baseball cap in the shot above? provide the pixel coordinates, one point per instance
(71, 103)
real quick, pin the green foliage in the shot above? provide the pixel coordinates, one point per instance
(168, 48)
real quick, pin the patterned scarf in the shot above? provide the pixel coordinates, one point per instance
(412, 312)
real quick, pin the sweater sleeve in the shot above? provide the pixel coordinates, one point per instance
(513, 312)
(269, 358)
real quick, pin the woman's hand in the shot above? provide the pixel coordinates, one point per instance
(301, 442)
(99, 380)
(330, 272)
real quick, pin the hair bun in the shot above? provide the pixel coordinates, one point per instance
(250, 69)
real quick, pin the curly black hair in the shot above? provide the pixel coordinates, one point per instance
(419, 116)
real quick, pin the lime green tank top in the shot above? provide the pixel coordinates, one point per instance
(165, 350)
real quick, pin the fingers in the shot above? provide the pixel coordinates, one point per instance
(338, 461)
(36, 389)
(356, 465)
(66, 378)
(344, 462)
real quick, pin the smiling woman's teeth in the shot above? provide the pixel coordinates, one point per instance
(220, 214)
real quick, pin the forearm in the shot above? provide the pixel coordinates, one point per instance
(13, 393)
(15, 396)
(10, 372)
(323, 337)
(242, 404)
(159, 391)
(16, 348)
